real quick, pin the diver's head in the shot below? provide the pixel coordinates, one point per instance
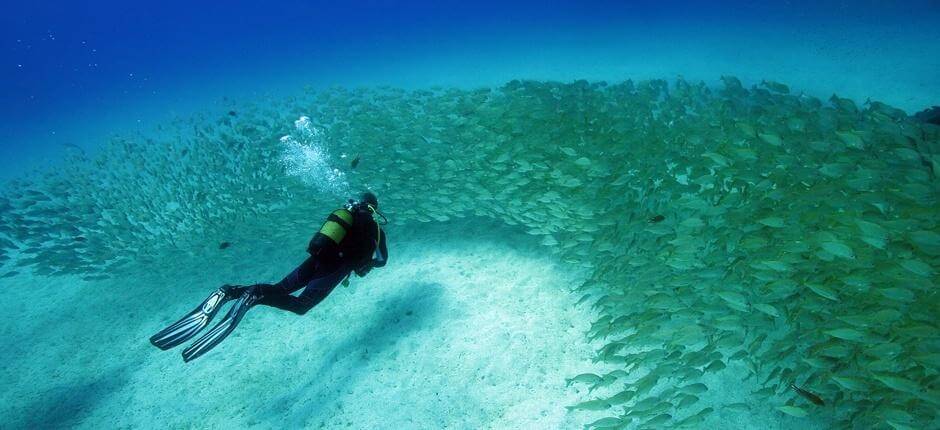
(369, 198)
(368, 202)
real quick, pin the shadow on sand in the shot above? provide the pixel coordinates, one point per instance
(66, 406)
(341, 366)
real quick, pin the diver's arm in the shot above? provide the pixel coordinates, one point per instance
(381, 254)
(318, 243)
(379, 257)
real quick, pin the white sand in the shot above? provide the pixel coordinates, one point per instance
(468, 327)
(453, 333)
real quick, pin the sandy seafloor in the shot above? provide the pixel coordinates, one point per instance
(468, 327)
(460, 330)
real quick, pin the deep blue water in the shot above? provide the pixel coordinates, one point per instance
(74, 72)
(182, 219)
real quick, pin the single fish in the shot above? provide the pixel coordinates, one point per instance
(590, 405)
(809, 396)
(232, 113)
(776, 87)
(75, 147)
(584, 378)
(224, 245)
(656, 219)
(354, 162)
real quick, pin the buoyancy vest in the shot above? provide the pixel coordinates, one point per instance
(347, 235)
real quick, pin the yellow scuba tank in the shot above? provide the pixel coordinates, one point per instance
(337, 225)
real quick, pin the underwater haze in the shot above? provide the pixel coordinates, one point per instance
(602, 215)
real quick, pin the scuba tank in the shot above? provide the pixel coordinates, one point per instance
(340, 222)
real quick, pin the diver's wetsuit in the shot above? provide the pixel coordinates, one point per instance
(350, 240)
(363, 248)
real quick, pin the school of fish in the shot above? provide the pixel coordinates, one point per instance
(785, 241)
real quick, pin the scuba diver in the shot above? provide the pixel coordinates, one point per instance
(350, 240)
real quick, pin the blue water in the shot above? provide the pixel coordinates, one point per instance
(531, 227)
(75, 73)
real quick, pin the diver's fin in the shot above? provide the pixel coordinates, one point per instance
(192, 323)
(223, 329)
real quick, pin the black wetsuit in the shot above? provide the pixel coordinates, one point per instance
(363, 248)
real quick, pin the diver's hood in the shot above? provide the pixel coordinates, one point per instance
(355, 206)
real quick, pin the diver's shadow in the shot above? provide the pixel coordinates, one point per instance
(67, 405)
(399, 315)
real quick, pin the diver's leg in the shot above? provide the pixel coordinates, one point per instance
(294, 281)
(316, 290)
(247, 296)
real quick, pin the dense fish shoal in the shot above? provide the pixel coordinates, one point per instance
(740, 232)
